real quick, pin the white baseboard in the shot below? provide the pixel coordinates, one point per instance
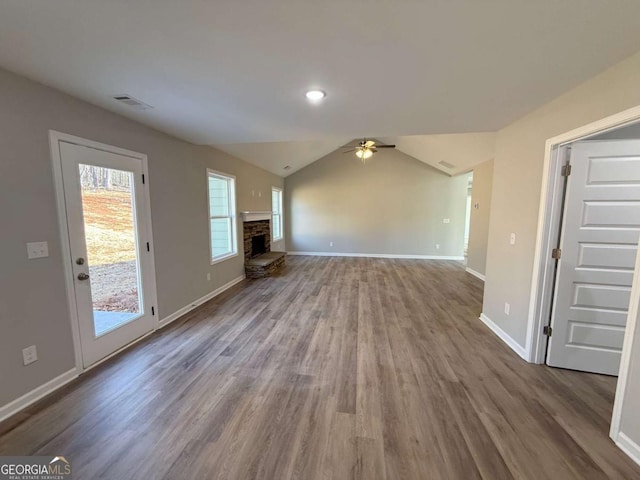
(43, 390)
(515, 346)
(379, 255)
(36, 394)
(628, 446)
(184, 310)
(475, 274)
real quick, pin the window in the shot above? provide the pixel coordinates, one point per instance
(276, 216)
(222, 215)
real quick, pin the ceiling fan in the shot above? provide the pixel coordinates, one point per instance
(366, 148)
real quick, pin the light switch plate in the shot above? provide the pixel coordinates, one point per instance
(37, 250)
(446, 220)
(29, 355)
(512, 239)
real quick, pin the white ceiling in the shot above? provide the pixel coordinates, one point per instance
(462, 150)
(275, 156)
(229, 72)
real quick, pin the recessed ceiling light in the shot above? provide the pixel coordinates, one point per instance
(315, 95)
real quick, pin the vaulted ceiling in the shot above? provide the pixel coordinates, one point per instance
(231, 72)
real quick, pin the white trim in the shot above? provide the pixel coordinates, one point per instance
(256, 216)
(625, 359)
(36, 394)
(233, 218)
(228, 256)
(504, 336)
(55, 138)
(538, 310)
(628, 446)
(51, 386)
(378, 255)
(280, 212)
(196, 303)
(475, 274)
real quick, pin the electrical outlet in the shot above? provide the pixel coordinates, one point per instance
(507, 308)
(29, 355)
(208, 277)
(331, 244)
(437, 246)
(37, 250)
(446, 220)
(512, 239)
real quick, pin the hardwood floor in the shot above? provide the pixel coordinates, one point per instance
(339, 368)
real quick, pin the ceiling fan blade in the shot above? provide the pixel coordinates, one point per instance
(349, 151)
(369, 143)
(385, 146)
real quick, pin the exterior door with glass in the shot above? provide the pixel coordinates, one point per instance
(109, 246)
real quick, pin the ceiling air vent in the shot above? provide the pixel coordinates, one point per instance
(446, 164)
(132, 102)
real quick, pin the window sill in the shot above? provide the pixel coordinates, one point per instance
(222, 259)
(279, 239)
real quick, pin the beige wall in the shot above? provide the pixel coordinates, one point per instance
(517, 180)
(33, 307)
(479, 225)
(393, 204)
(516, 195)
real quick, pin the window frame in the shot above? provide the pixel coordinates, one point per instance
(280, 213)
(231, 183)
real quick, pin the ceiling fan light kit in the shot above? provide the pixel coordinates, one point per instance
(364, 153)
(366, 148)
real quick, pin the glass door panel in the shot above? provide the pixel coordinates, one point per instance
(108, 207)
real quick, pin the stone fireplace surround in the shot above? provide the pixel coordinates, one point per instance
(265, 264)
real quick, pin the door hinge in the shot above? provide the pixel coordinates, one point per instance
(566, 170)
(556, 253)
(153, 310)
(148, 247)
(143, 178)
(547, 330)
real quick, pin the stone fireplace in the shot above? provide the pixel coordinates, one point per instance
(256, 233)
(259, 260)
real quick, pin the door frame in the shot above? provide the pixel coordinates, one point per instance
(55, 138)
(546, 237)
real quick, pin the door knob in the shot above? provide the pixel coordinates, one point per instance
(83, 276)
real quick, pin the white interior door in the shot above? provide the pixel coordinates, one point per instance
(599, 241)
(112, 270)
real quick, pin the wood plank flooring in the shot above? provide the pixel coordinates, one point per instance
(339, 368)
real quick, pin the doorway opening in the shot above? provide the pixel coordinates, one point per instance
(598, 227)
(550, 233)
(105, 226)
(467, 216)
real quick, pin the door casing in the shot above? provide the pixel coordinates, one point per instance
(543, 270)
(55, 138)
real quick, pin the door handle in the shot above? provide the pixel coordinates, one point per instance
(83, 276)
